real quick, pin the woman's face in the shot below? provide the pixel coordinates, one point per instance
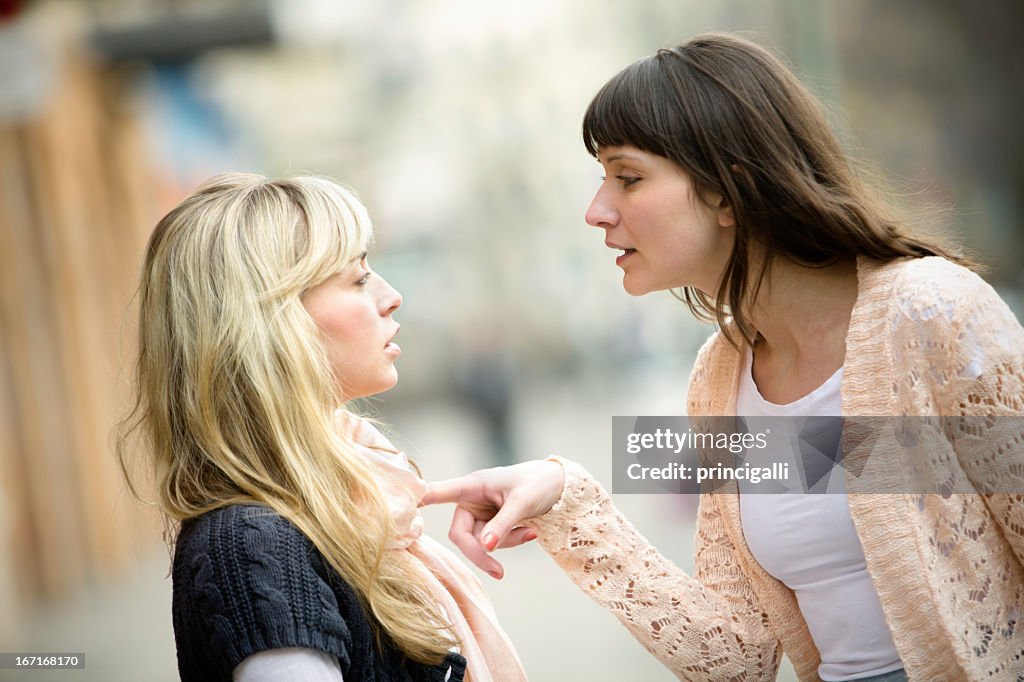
(353, 311)
(665, 235)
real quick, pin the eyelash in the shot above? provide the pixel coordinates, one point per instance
(627, 180)
(362, 280)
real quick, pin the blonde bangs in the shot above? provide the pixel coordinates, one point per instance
(332, 229)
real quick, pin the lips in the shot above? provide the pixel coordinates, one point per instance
(391, 346)
(626, 253)
(617, 247)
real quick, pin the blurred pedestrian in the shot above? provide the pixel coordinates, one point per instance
(485, 378)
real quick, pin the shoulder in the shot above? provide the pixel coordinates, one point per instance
(938, 295)
(948, 328)
(929, 287)
(928, 296)
(231, 525)
(245, 532)
(245, 580)
(250, 545)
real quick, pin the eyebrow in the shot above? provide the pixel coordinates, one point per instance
(620, 156)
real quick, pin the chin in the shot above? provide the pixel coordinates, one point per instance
(371, 388)
(387, 384)
(634, 289)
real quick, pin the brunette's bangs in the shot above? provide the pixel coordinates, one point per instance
(621, 113)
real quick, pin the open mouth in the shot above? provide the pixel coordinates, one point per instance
(626, 253)
(391, 345)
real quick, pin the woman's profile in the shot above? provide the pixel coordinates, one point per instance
(298, 547)
(723, 178)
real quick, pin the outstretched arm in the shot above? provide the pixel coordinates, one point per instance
(710, 627)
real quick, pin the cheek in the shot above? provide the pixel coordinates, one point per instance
(339, 326)
(336, 325)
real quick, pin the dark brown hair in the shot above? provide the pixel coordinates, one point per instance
(745, 128)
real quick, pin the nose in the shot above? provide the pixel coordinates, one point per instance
(601, 212)
(390, 299)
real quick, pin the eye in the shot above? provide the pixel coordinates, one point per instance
(362, 280)
(628, 180)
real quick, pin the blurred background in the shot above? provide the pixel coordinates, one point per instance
(457, 122)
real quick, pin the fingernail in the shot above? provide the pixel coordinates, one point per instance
(490, 541)
(529, 535)
(494, 574)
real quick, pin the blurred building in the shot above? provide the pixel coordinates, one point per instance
(75, 195)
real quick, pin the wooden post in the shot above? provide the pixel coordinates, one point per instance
(74, 214)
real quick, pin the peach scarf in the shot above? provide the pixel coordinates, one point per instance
(490, 656)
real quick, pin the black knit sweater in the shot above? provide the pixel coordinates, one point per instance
(246, 580)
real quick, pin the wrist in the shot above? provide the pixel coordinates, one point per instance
(556, 465)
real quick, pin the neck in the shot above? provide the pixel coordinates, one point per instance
(799, 309)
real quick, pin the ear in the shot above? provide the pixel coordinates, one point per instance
(723, 211)
(726, 218)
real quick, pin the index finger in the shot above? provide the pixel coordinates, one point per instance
(450, 490)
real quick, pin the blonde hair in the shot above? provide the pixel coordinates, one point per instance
(235, 397)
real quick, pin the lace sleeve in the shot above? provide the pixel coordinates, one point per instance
(708, 627)
(987, 380)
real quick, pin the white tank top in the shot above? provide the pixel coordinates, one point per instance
(808, 542)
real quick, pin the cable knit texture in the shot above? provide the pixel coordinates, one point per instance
(246, 580)
(926, 337)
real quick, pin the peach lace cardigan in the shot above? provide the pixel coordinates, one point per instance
(949, 571)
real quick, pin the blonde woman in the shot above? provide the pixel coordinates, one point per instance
(298, 552)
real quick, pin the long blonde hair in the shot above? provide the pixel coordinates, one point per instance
(235, 397)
